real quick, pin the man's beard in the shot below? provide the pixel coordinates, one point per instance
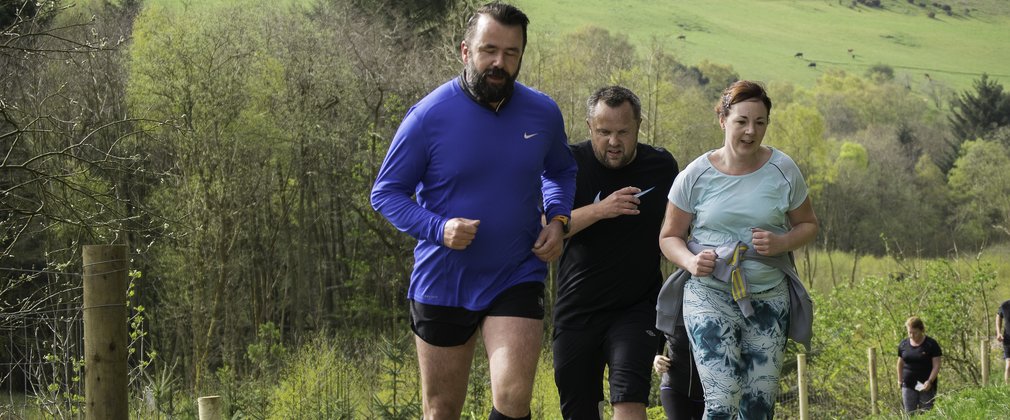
(486, 91)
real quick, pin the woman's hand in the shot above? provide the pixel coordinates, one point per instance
(767, 243)
(702, 264)
(661, 364)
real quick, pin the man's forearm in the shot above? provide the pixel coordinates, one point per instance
(582, 218)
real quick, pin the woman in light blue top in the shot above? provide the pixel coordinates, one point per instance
(752, 196)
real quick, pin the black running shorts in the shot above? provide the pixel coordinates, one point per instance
(449, 326)
(626, 342)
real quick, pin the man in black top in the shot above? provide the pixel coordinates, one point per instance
(1002, 330)
(609, 274)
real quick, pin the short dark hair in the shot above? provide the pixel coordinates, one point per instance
(740, 91)
(915, 322)
(504, 13)
(614, 96)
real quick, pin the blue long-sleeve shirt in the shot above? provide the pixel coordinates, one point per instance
(460, 158)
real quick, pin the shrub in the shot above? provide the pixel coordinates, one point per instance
(952, 299)
(979, 403)
(880, 72)
(398, 397)
(316, 384)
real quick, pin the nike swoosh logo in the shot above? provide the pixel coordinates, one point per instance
(639, 195)
(527, 136)
(643, 192)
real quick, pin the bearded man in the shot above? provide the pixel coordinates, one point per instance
(471, 171)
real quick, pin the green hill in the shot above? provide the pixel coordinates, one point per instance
(761, 39)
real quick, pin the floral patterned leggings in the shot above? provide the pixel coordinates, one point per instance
(738, 358)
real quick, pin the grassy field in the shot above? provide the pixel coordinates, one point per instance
(761, 38)
(835, 268)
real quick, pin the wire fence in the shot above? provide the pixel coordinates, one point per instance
(42, 375)
(42, 355)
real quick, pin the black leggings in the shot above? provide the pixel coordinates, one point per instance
(679, 406)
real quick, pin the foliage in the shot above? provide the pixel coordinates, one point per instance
(423, 17)
(975, 114)
(13, 11)
(980, 182)
(160, 391)
(399, 396)
(317, 383)
(204, 77)
(569, 78)
(61, 396)
(798, 131)
(982, 403)
(233, 143)
(859, 201)
(871, 314)
(850, 103)
(676, 111)
(276, 137)
(852, 156)
(268, 351)
(675, 102)
(66, 159)
(979, 403)
(880, 72)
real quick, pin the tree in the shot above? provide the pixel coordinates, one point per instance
(231, 188)
(424, 18)
(798, 130)
(849, 103)
(65, 134)
(716, 77)
(572, 66)
(283, 119)
(880, 72)
(950, 296)
(676, 112)
(14, 11)
(68, 168)
(976, 114)
(980, 182)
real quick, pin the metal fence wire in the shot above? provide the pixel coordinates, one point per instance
(42, 367)
(42, 350)
(42, 328)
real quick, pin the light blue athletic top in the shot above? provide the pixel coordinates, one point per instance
(726, 207)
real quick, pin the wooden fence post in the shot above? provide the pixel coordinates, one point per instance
(985, 361)
(210, 407)
(105, 332)
(872, 355)
(801, 382)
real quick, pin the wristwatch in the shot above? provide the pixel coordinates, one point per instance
(565, 225)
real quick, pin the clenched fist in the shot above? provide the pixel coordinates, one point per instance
(459, 233)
